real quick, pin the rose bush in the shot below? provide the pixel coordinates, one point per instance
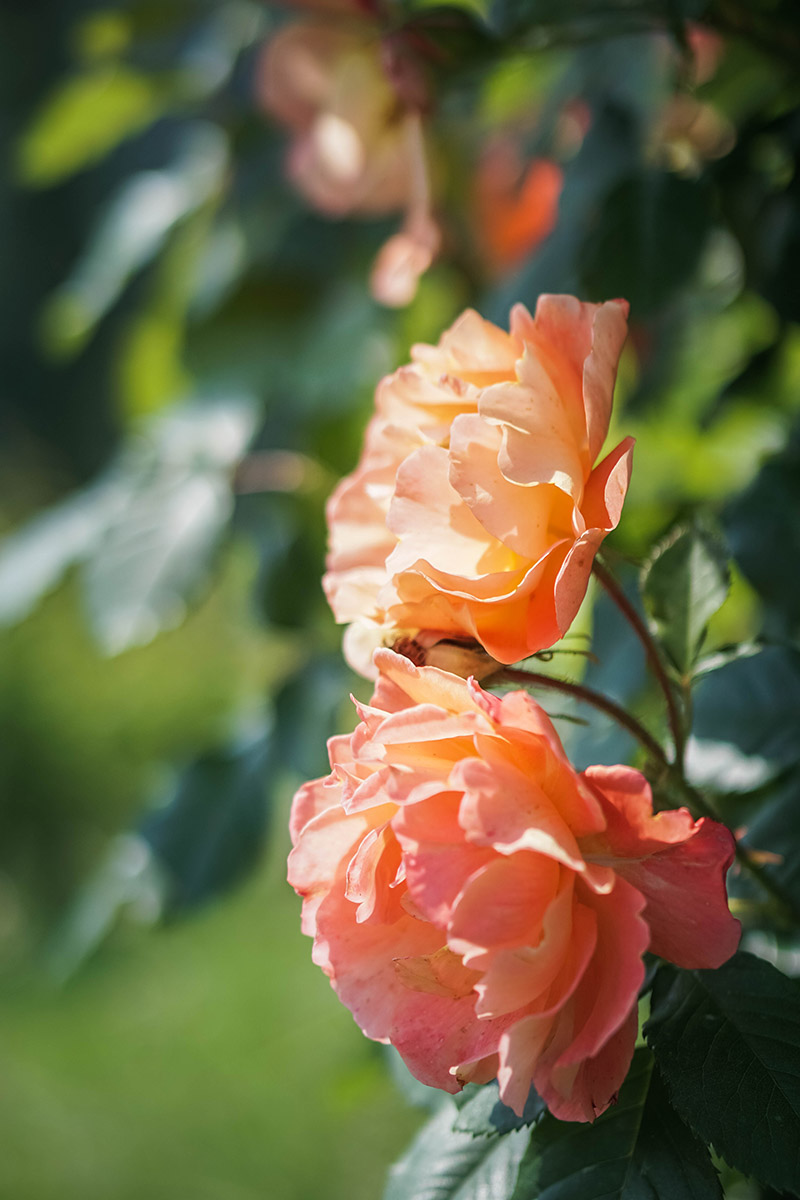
(483, 907)
(476, 508)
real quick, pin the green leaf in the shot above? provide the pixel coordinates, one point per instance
(485, 1115)
(131, 232)
(684, 584)
(173, 499)
(442, 1164)
(727, 1043)
(638, 1150)
(84, 118)
(211, 831)
(646, 240)
(763, 528)
(746, 716)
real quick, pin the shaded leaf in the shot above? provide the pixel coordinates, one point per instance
(211, 832)
(444, 1165)
(484, 1114)
(637, 1150)
(309, 709)
(646, 240)
(684, 584)
(763, 528)
(727, 1043)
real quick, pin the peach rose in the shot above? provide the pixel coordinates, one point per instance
(476, 509)
(483, 907)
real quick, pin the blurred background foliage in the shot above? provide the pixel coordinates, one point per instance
(189, 359)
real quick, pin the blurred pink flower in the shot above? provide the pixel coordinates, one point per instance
(483, 907)
(350, 150)
(476, 510)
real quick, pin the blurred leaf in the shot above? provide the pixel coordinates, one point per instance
(444, 1165)
(211, 832)
(483, 1113)
(638, 1150)
(84, 118)
(645, 241)
(144, 531)
(174, 499)
(127, 881)
(763, 528)
(727, 1043)
(130, 234)
(684, 584)
(34, 557)
(746, 716)
(309, 709)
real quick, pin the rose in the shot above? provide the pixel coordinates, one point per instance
(353, 145)
(515, 204)
(485, 908)
(476, 510)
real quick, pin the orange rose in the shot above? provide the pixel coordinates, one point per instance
(483, 907)
(476, 510)
(516, 205)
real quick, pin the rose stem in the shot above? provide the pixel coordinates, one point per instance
(622, 602)
(597, 699)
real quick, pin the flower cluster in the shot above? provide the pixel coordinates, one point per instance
(474, 899)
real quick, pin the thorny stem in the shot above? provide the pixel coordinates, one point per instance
(622, 602)
(589, 696)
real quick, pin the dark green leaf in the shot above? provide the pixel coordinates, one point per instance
(484, 1113)
(727, 1043)
(646, 240)
(763, 528)
(638, 1150)
(445, 1165)
(684, 584)
(309, 709)
(746, 716)
(211, 831)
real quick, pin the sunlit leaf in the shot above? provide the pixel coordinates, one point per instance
(684, 583)
(746, 715)
(84, 118)
(131, 232)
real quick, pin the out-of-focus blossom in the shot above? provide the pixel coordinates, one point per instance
(516, 206)
(357, 145)
(483, 907)
(350, 150)
(476, 508)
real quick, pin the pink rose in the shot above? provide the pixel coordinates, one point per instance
(353, 144)
(476, 509)
(485, 908)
